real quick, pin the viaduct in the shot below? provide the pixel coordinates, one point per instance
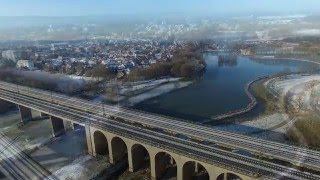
(188, 150)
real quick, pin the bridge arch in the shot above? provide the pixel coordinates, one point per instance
(140, 157)
(228, 176)
(119, 149)
(221, 176)
(192, 170)
(100, 143)
(165, 166)
(231, 176)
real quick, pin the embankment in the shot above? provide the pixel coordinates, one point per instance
(249, 107)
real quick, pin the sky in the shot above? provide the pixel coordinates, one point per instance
(123, 7)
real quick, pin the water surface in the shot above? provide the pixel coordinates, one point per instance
(220, 90)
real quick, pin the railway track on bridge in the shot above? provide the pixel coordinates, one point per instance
(209, 154)
(296, 155)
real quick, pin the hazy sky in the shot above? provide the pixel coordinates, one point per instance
(104, 7)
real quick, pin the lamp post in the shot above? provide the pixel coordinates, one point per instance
(104, 113)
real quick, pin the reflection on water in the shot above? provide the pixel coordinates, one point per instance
(220, 90)
(227, 60)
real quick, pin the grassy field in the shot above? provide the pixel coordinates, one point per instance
(306, 131)
(262, 94)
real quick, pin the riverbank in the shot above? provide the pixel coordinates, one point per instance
(156, 91)
(296, 97)
(132, 93)
(278, 58)
(252, 104)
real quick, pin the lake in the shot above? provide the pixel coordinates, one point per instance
(220, 90)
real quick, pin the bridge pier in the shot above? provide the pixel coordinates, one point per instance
(57, 126)
(25, 113)
(43, 114)
(73, 125)
(111, 160)
(130, 161)
(179, 171)
(153, 166)
(196, 167)
(89, 140)
(68, 125)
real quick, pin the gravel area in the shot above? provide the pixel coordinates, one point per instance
(271, 122)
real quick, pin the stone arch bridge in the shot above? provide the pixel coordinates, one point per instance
(121, 135)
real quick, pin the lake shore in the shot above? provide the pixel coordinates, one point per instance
(293, 59)
(275, 125)
(217, 91)
(156, 89)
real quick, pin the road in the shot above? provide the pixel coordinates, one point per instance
(222, 158)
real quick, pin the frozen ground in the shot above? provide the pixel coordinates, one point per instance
(31, 135)
(165, 88)
(270, 122)
(283, 85)
(304, 91)
(61, 151)
(144, 85)
(132, 93)
(273, 135)
(82, 168)
(66, 157)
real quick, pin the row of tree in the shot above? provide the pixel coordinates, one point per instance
(227, 60)
(101, 72)
(187, 63)
(13, 77)
(6, 63)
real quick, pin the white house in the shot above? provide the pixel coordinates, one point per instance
(25, 64)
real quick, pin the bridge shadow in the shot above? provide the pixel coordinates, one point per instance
(231, 125)
(166, 112)
(2, 176)
(63, 150)
(252, 131)
(39, 118)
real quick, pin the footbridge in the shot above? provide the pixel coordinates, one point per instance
(167, 144)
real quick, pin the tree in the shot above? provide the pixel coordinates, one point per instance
(175, 70)
(5, 63)
(187, 70)
(100, 71)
